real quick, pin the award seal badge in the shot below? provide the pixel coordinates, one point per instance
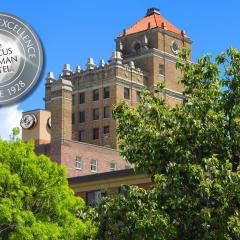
(21, 59)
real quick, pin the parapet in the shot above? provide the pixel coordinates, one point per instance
(114, 68)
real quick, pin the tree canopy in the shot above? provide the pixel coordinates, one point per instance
(35, 199)
(192, 153)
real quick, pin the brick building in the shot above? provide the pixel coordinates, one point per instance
(76, 128)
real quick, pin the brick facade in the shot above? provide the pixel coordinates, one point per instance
(87, 152)
(128, 67)
(80, 102)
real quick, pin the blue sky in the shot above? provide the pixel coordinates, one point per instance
(73, 30)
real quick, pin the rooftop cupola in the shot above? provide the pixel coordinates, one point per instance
(153, 10)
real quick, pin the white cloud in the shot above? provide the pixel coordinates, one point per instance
(9, 118)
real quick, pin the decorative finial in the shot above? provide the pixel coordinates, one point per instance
(119, 45)
(90, 64)
(164, 25)
(145, 40)
(50, 77)
(149, 25)
(116, 57)
(78, 69)
(66, 70)
(102, 63)
(131, 64)
(183, 32)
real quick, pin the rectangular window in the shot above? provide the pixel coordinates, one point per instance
(93, 165)
(93, 198)
(162, 69)
(81, 136)
(95, 133)
(78, 163)
(138, 96)
(106, 112)
(106, 92)
(106, 130)
(95, 114)
(113, 166)
(126, 93)
(81, 98)
(81, 117)
(73, 100)
(73, 118)
(95, 95)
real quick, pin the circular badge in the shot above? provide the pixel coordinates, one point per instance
(21, 59)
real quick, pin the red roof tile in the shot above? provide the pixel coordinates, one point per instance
(151, 21)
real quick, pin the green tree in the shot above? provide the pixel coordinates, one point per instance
(191, 151)
(35, 199)
(15, 133)
(135, 216)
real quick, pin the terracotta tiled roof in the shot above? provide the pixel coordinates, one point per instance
(151, 21)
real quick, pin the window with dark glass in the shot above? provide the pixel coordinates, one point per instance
(106, 92)
(73, 99)
(137, 46)
(82, 136)
(81, 117)
(126, 93)
(81, 98)
(95, 114)
(106, 130)
(138, 96)
(95, 133)
(73, 118)
(95, 95)
(161, 69)
(106, 112)
(94, 198)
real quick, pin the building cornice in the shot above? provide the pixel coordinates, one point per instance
(158, 29)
